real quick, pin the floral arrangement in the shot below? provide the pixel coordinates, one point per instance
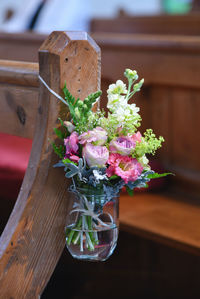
(105, 153)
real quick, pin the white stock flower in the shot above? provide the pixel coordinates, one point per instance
(127, 111)
(118, 88)
(115, 101)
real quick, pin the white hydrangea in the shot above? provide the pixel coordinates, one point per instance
(118, 88)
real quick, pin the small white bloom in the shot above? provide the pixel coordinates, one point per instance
(133, 109)
(118, 88)
(98, 176)
(115, 101)
(144, 162)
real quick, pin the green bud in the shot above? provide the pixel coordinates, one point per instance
(77, 112)
(80, 104)
(86, 101)
(131, 75)
(138, 85)
(85, 107)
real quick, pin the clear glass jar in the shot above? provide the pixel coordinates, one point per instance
(92, 224)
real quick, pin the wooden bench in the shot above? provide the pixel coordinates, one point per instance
(33, 238)
(188, 24)
(168, 101)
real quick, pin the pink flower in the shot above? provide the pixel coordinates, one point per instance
(136, 137)
(97, 135)
(95, 155)
(123, 145)
(74, 158)
(129, 169)
(71, 144)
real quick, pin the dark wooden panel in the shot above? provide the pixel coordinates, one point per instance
(18, 110)
(162, 219)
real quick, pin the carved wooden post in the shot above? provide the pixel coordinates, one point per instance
(33, 239)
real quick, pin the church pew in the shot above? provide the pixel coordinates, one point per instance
(188, 24)
(33, 239)
(169, 103)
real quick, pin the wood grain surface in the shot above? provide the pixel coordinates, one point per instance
(20, 73)
(33, 239)
(18, 109)
(163, 219)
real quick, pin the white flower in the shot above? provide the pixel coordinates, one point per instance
(115, 101)
(144, 162)
(98, 176)
(118, 88)
(126, 112)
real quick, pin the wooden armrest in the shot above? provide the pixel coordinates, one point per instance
(163, 219)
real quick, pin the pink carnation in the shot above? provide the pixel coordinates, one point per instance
(129, 169)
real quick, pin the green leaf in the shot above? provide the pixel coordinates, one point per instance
(129, 191)
(113, 177)
(65, 161)
(61, 121)
(68, 96)
(60, 134)
(91, 98)
(156, 175)
(146, 186)
(59, 150)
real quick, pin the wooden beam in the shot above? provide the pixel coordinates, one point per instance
(19, 73)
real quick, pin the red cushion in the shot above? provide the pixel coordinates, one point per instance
(14, 157)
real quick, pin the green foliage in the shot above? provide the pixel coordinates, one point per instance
(61, 121)
(149, 144)
(156, 175)
(132, 76)
(66, 161)
(59, 150)
(129, 191)
(79, 110)
(59, 133)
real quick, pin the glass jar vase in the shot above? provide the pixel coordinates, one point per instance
(92, 224)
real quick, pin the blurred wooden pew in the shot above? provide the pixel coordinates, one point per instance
(169, 104)
(188, 24)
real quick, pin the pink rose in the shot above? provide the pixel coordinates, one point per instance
(97, 136)
(129, 169)
(95, 155)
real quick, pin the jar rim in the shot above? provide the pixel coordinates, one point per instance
(92, 192)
